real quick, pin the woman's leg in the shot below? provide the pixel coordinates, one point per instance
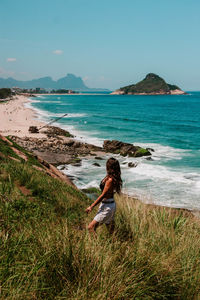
(93, 226)
(111, 227)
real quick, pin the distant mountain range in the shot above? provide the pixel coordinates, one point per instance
(70, 81)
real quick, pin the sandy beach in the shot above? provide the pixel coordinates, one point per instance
(16, 118)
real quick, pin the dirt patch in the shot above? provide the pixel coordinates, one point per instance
(24, 190)
(19, 153)
(15, 159)
(6, 140)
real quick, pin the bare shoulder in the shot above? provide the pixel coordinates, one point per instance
(109, 180)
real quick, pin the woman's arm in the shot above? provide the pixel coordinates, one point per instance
(107, 187)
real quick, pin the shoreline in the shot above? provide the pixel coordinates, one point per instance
(16, 118)
(172, 92)
(63, 94)
(22, 117)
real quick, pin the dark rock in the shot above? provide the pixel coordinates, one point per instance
(71, 177)
(53, 131)
(96, 164)
(132, 165)
(69, 143)
(112, 146)
(124, 149)
(33, 129)
(98, 157)
(150, 149)
(76, 162)
(149, 158)
(62, 168)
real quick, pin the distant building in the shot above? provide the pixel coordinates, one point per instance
(16, 89)
(70, 92)
(40, 91)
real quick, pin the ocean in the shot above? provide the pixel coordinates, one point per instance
(168, 124)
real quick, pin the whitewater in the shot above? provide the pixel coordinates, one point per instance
(168, 124)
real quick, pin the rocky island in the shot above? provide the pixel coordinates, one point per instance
(152, 84)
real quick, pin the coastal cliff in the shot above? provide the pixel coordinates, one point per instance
(152, 84)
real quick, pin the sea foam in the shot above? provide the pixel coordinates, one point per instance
(170, 178)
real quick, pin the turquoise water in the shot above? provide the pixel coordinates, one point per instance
(168, 124)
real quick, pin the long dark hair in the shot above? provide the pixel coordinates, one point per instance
(114, 171)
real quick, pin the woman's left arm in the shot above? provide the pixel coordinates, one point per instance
(107, 187)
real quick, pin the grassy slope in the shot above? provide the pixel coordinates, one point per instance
(46, 253)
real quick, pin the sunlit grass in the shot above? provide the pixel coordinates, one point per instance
(47, 253)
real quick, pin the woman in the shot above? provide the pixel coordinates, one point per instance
(109, 185)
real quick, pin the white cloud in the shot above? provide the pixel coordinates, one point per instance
(58, 52)
(11, 59)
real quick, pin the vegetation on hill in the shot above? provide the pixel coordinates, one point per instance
(5, 93)
(62, 91)
(152, 83)
(46, 253)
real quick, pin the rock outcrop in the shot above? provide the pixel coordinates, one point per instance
(57, 150)
(42, 165)
(125, 149)
(59, 147)
(53, 131)
(61, 150)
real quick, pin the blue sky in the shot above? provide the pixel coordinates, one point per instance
(109, 43)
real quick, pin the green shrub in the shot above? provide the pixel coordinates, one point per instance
(5, 93)
(142, 152)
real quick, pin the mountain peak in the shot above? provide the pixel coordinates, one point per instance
(152, 76)
(69, 82)
(71, 75)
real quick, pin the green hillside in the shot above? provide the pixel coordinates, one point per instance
(5, 93)
(152, 83)
(47, 253)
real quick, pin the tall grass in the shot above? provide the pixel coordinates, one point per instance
(47, 253)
